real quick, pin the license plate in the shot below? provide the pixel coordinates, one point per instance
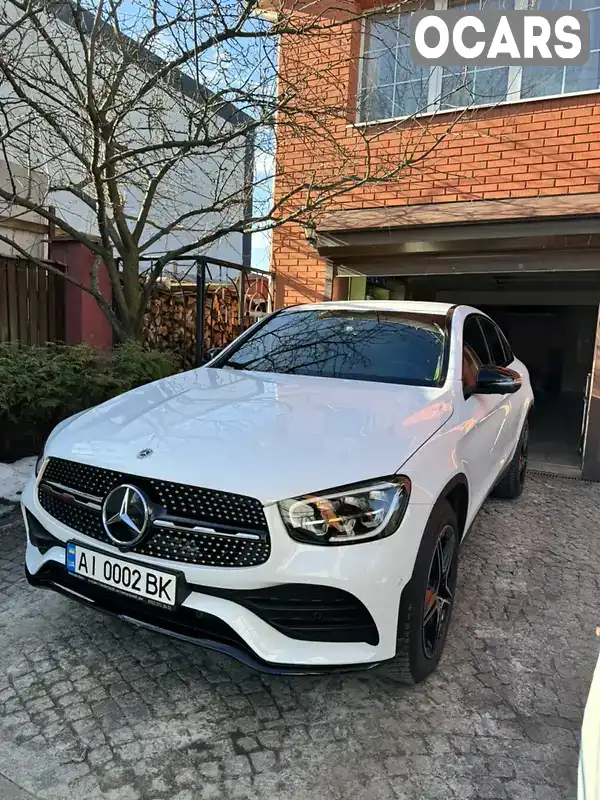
(124, 576)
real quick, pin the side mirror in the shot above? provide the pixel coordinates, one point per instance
(497, 380)
(211, 353)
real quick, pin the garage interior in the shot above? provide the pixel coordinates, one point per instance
(541, 286)
(551, 325)
(557, 344)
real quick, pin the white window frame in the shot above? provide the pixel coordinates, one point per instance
(513, 94)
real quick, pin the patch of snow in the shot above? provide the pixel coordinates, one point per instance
(13, 478)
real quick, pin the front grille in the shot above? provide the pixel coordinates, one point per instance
(239, 534)
(208, 505)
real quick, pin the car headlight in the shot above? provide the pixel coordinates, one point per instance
(348, 515)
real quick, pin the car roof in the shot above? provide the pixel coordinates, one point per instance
(409, 306)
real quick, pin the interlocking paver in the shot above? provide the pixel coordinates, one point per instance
(92, 708)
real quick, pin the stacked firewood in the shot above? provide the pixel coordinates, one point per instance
(170, 322)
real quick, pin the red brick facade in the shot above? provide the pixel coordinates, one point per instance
(528, 149)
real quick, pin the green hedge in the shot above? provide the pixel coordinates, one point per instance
(39, 386)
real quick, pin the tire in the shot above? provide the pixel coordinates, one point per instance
(511, 484)
(417, 654)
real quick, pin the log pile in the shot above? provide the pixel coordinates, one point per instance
(170, 322)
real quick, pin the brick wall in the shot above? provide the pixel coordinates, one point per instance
(540, 148)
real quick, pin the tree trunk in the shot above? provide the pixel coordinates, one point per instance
(130, 313)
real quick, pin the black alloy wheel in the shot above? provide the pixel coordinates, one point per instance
(523, 455)
(511, 484)
(427, 601)
(440, 591)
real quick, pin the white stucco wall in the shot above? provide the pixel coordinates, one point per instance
(25, 228)
(201, 180)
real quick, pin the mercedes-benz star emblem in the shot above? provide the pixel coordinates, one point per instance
(125, 515)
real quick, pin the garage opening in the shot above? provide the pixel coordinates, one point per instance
(550, 321)
(557, 345)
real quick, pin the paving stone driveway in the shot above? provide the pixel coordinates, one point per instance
(92, 708)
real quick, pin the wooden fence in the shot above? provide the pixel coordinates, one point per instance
(32, 303)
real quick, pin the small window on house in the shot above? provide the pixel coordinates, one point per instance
(392, 86)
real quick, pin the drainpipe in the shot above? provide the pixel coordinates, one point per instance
(248, 198)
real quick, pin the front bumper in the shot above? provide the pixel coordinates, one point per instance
(205, 630)
(224, 609)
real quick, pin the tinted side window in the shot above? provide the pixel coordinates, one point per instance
(494, 343)
(510, 356)
(470, 367)
(473, 338)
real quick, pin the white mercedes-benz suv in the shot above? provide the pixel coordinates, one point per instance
(299, 501)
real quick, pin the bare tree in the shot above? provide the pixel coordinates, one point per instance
(140, 123)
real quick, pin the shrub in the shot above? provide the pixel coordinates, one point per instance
(39, 386)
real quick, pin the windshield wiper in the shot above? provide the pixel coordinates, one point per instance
(234, 365)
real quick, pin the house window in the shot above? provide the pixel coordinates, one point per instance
(545, 81)
(392, 86)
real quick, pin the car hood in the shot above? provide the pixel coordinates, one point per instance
(265, 435)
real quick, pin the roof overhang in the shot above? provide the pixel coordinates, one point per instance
(440, 227)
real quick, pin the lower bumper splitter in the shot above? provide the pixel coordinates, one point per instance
(200, 628)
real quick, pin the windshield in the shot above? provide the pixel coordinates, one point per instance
(386, 346)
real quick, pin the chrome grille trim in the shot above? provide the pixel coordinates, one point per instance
(72, 495)
(190, 526)
(77, 492)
